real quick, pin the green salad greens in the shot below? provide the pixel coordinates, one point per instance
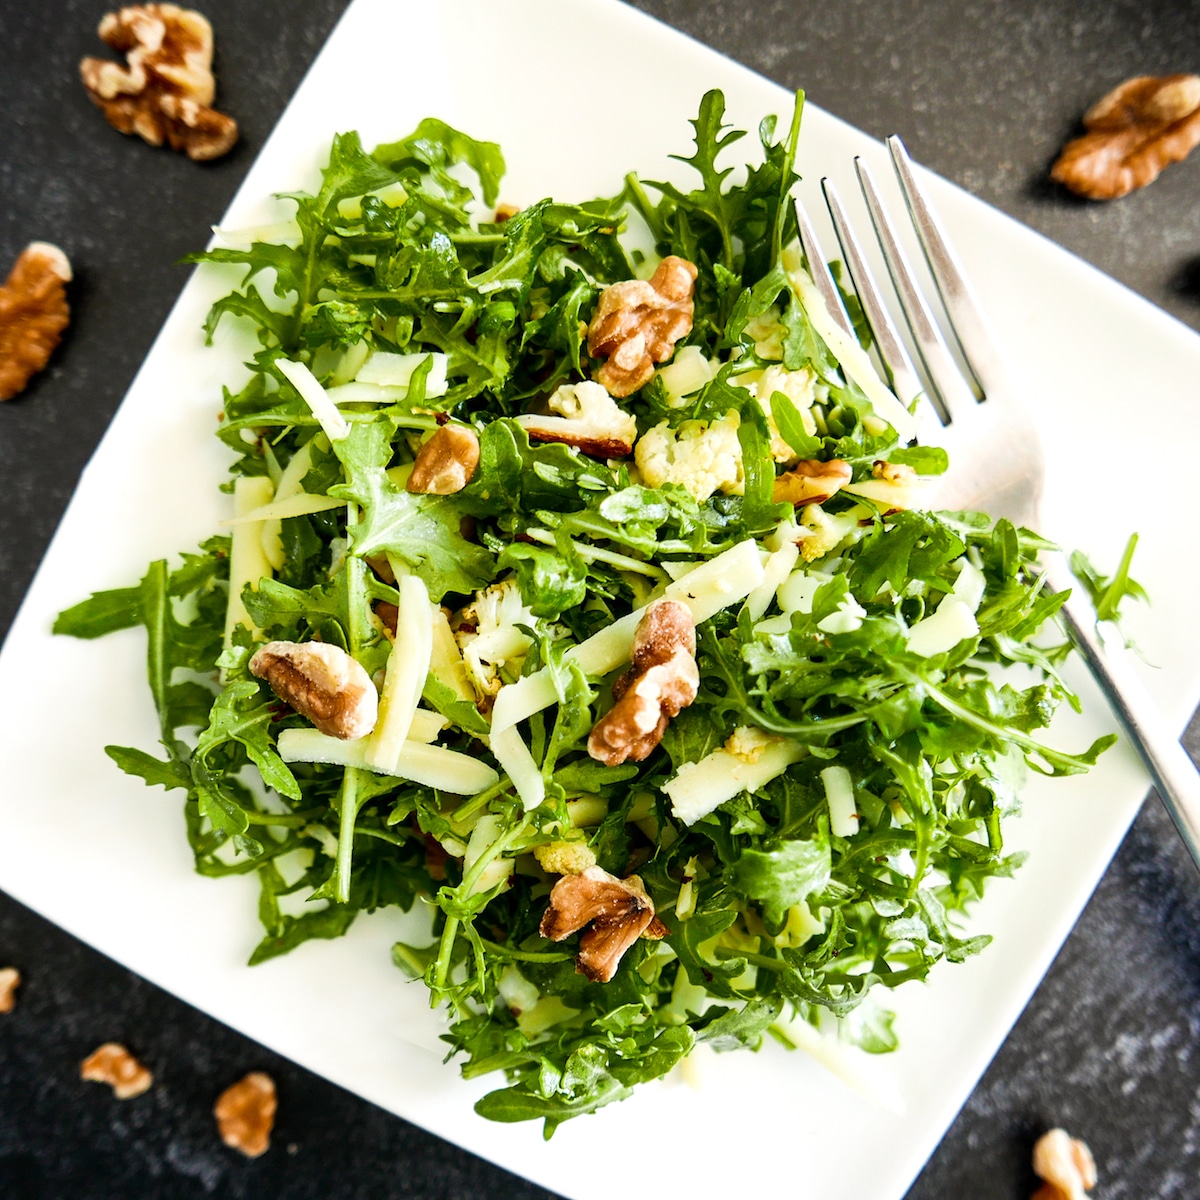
(807, 831)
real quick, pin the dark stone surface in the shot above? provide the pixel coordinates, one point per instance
(984, 91)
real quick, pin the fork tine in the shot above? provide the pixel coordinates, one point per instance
(902, 375)
(818, 268)
(944, 373)
(970, 327)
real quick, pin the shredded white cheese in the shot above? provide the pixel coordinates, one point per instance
(433, 766)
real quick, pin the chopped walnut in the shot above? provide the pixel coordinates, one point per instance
(587, 418)
(811, 481)
(33, 314)
(504, 212)
(114, 1065)
(446, 463)
(662, 680)
(245, 1114)
(637, 324)
(1066, 1164)
(618, 911)
(164, 90)
(10, 980)
(1133, 133)
(321, 682)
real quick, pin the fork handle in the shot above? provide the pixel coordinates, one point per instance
(1170, 766)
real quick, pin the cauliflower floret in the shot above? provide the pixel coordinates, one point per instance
(767, 331)
(798, 386)
(591, 420)
(825, 530)
(747, 742)
(565, 858)
(703, 456)
(488, 636)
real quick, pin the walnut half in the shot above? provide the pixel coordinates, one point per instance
(33, 314)
(618, 911)
(245, 1114)
(1135, 131)
(10, 980)
(321, 682)
(662, 680)
(1066, 1164)
(165, 88)
(114, 1065)
(636, 324)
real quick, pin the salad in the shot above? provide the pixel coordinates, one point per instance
(583, 587)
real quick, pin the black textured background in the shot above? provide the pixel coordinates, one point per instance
(984, 91)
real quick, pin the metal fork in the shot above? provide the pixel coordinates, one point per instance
(995, 449)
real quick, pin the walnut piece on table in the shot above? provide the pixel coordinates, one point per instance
(10, 980)
(1066, 1165)
(662, 681)
(245, 1114)
(164, 90)
(1133, 133)
(33, 314)
(114, 1065)
(637, 323)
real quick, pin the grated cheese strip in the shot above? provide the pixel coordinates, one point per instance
(433, 766)
(702, 787)
(847, 351)
(839, 795)
(300, 504)
(775, 570)
(404, 676)
(513, 755)
(248, 562)
(313, 394)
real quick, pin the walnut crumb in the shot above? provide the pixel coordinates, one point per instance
(618, 912)
(245, 1114)
(662, 680)
(1133, 133)
(33, 314)
(321, 682)
(164, 90)
(637, 323)
(1066, 1164)
(10, 980)
(114, 1065)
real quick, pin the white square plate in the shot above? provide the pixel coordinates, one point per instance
(578, 92)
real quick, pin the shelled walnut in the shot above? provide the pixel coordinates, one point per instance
(113, 1064)
(33, 314)
(165, 89)
(637, 323)
(321, 682)
(1066, 1165)
(662, 680)
(616, 911)
(446, 463)
(245, 1114)
(1133, 133)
